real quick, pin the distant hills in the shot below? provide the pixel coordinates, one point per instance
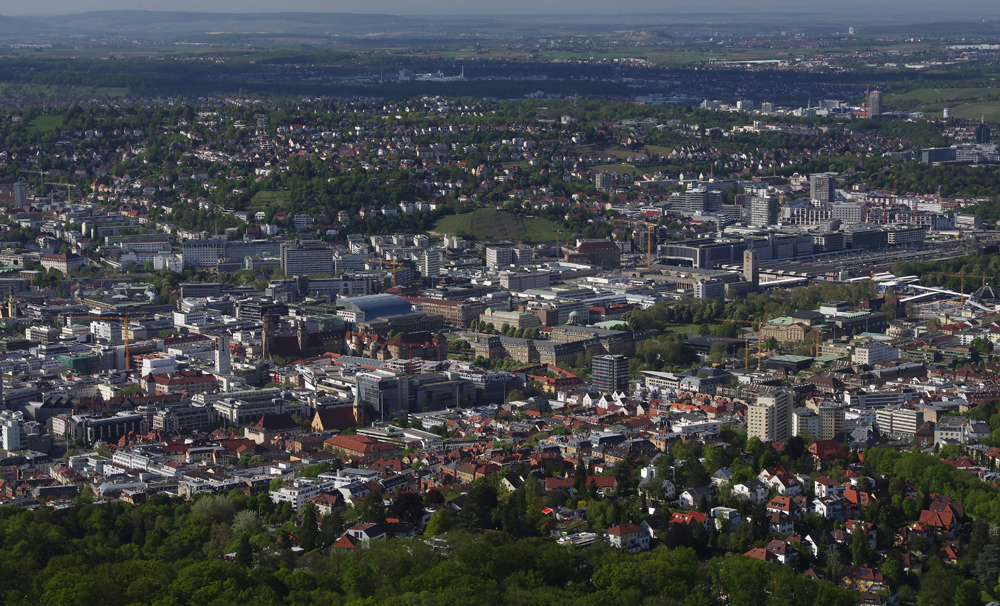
(171, 26)
(178, 25)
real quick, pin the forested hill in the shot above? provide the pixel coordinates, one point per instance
(167, 553)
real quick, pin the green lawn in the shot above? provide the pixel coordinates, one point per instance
(265, 199)
(990, 110)
(686, 329)
(491, 224)
(968, 103)
(44, 124)
(454, 224)
(632, 170)
(938, 95)
(539, 229)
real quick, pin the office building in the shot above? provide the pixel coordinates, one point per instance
(697, 200)
(610, 373)
(203, 253)
(822, 187)
(769, 419)
(896, 421)
(500, 256)
(430, 264)
(874, 103)
(982, 133)
(764, 210)
(873, 353)
(297, 260)
(710, 289)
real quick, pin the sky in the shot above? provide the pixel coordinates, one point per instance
(964, 10)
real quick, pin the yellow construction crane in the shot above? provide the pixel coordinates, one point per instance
(961, 275)
(760, 342)
(124, 319)
(69, 193)
(649, 236)
(394, 264)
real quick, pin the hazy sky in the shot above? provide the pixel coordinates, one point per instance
(962, 10)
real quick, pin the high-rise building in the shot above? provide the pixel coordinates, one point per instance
(982, 132)
(874, 107)
(430, 264)
(751, 267)
(610, 373)
(769, 419)
(822, 187)
(805, 423)
(602, 181)
(764, 210)
(832, 419)
(223, 360)
(20, 193)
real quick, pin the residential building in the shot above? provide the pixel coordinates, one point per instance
(769, 419)
(630, 538)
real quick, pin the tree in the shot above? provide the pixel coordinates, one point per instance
(983, 346)
(307, 531)
(129, 390)
(516, 395)
(859, 546)
(244, 553)
(408, 507)
(889, 309)
(967, 594)
(477, 511)
(988, 564)
(771, 344)
(719, 352)
(580, 477)
(442, 521)
(373, 509)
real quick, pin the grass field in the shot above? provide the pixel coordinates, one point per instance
(632, 170)
(968, 103)
(684, 329)
(44, 124)
(263, 200)
(490, 224)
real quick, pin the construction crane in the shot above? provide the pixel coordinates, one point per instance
(961, 275)
(649, 236)
(124, 319)
(760, 342)
(69, 193)
(394, 264)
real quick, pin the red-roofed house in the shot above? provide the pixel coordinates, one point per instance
(629, 537)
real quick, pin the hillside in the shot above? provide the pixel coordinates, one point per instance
(490, 224)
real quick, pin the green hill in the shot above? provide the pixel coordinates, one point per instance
(490, 224)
